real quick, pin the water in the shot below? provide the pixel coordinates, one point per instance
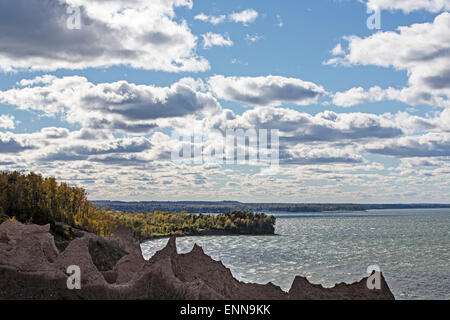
(412, 248)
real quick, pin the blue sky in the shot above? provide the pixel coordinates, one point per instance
(364, 115)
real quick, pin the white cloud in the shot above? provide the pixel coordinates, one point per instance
(140, 34)
(305, 139)
(7, 122)
(252, 38)
(118, 106)
(408, 6)
(52, 145)
(423, 50)
(265, 91)
(411, 96)
(240, 62)
(324, 147)
(313, 155)
(427, 145)
(280, 23)
(213, 39)
(97, 151)
(300, 128)
(211, 19)
(245, 17)
(337, 51)
(10, 143)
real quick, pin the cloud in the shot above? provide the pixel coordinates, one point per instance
(240, 62)
(213, 39)
(141, 166)
(121, 106)
(75, 150)
(337, 50)
(428, 145)
(307, 155)
(54, 133)
(424, 162)
(139, 34)
(299, 128)
(253, 38)
(408, 6)
(423, 50)
(7, 122)
(411, 96)
(304, 139)
(53, 145)
(265, 91)
(280, 23)
(356, 96)
(245, 17)
(9, 143)
(211, 19)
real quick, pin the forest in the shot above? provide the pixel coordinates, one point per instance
(227, 206)
(33, 199)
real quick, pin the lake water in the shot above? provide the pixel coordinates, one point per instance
(412, 248)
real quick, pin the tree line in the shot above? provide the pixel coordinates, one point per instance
(31, 198)
(227, 206)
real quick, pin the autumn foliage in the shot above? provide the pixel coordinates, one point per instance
(30, 198)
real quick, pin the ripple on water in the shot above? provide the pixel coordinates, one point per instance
(412, 247)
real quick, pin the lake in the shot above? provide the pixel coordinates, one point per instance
(411, 247)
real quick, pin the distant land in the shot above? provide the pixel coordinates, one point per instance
(226, 206)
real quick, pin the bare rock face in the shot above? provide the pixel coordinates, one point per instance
(302, 289)
(31, 267)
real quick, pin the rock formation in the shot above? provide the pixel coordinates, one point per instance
(32, 267)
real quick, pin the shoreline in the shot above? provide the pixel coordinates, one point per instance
(217, 207)
(209, 234)
(167, 275)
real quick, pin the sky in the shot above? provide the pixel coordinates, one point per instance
(100, 93)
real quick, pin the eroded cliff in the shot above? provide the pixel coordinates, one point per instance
(32, 267)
